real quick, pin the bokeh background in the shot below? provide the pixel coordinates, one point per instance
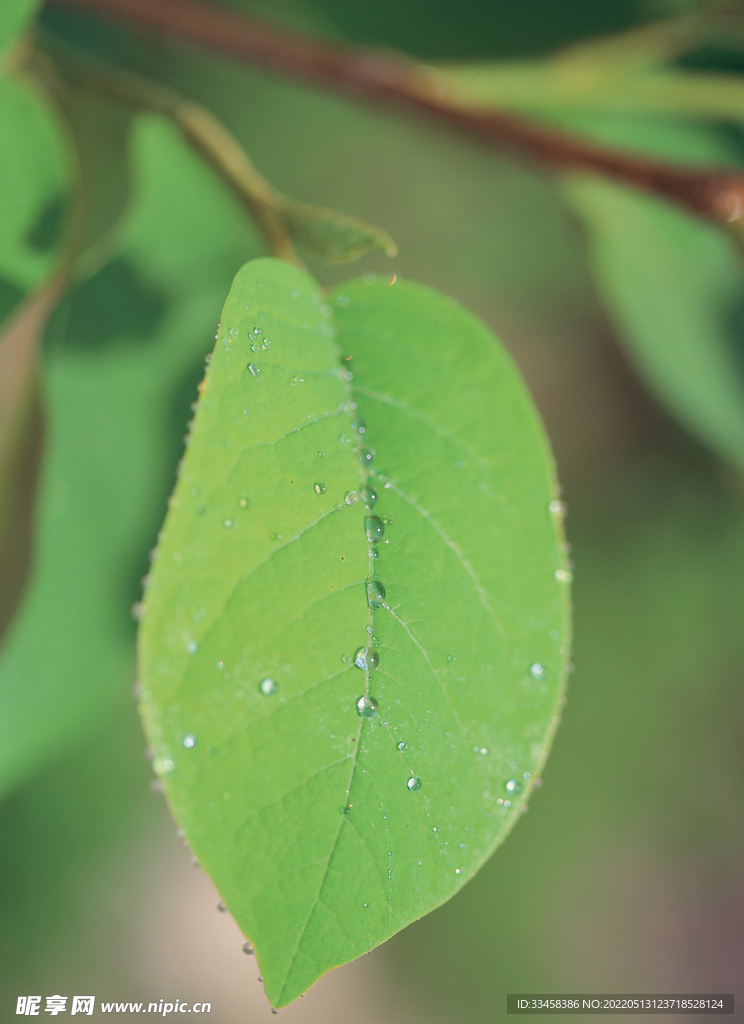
(627, 874)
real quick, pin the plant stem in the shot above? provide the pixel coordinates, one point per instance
(200, 128)
(714, 194)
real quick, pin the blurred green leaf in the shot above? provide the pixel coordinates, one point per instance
(33, 174)
(115, 412)
(21, 435)
(628, 72)
(14, 17)
(673, 284)
(99, 127)
(350, 660)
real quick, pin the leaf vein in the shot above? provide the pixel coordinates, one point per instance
(479, 588)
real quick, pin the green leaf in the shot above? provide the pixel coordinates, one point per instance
(335, 237)
(21, 434)
(14, 16)
(674, 286)
(33, 175)
(122, 362)
(331, 803)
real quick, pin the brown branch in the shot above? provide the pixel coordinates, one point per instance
(390, 79)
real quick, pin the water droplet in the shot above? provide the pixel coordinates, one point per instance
(563, 575)
(483, 751)
(233, 332)
(163, 765)
(189, 740)
(343, 302)
(451, 658)
(402, 745)
(558, 508)
(457, 871)
(375, 593)
(268, 686)
(319, 488)
(229, 523)
(351, 497)
(538, 671)
(248, 949)
(414, 784)
(253, 369)
(321, 454)
(374, 528)
(366, 707)
(365, 455)
(365, 904)
(512, 786)
(244, 503)
(192, 646)
(369, 496)
(221, 907)
(366, 658)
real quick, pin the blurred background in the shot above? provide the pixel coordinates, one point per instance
(627, 874)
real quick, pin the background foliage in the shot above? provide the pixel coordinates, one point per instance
(626, 874)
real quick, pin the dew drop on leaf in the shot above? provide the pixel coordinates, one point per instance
(374, 528)
(369, 496)
(366, 706)
(268, 686)
(414, 784)
(366, 658)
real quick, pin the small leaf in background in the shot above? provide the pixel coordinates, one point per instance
(335, 237)
(354, 636)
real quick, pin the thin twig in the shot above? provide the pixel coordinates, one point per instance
(390, 79)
